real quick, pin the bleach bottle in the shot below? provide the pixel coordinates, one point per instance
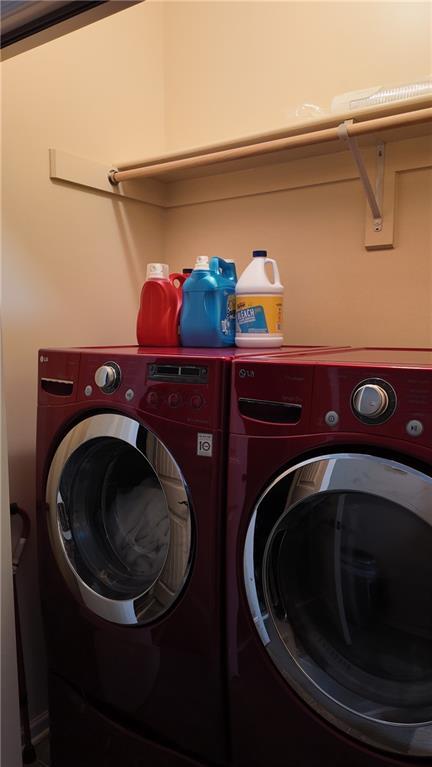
(259, 304)
(160, 303)
(208, 310)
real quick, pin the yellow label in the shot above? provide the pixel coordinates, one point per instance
(259, 314)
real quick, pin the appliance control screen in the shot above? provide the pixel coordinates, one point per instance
(178, 373)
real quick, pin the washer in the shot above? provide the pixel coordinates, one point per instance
(129, 490)
(329, 559)
(131, 460)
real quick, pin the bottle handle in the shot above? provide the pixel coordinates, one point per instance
(276, 277)
(180, 278)
(216, 264)
(225, 268)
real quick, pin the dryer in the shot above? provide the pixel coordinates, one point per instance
(131, 466)
(329, 559)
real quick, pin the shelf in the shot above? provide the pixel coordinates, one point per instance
(279, 161)
(411, 118)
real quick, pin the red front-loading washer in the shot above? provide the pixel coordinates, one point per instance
(329, 560)
(131, 474)
(129, 484)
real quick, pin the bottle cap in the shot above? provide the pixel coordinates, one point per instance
(259, 254)
(202, 262)
(157, 271)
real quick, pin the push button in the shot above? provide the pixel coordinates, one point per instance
(331, 418)
(414, 428)
(152, 398)
(197, 401)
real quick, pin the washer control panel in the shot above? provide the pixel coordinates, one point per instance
(181, 388)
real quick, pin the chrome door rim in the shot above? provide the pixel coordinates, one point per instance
(157, 599)
(415, 738)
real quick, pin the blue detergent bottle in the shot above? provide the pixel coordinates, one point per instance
(208, 310)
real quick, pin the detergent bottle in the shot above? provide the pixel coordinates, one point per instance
(208, 310)
(259, 304)
(160, 303)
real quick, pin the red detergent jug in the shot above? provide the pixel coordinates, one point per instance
(160, 304)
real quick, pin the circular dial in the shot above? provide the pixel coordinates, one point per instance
(373, 401)
(370, 400)
(108, 377)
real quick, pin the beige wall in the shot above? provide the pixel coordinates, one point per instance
(10, 740)
(73, 262)
(157, 77)
(239, 68)
(336, 292)
(243, 67)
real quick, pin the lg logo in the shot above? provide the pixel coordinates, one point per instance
(245, 373)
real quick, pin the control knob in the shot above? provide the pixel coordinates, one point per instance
(108, 377)
(370, 401)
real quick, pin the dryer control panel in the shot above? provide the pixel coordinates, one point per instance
(392, 402)
(270, 399)
(380, 392)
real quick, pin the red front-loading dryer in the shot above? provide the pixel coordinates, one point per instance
(131, 474)
(329, 560)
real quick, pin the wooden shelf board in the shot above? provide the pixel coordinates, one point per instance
(294, 153)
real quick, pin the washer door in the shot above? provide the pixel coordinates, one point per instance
(119, 519)
(338, 575)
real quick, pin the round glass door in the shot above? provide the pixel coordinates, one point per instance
(119, 519)
(338, 574)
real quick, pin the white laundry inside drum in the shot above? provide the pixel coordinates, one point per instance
(138, 528)
(119, 517)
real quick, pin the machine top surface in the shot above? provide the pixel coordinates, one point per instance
(421, 357)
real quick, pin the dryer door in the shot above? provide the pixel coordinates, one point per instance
(119, 519)
(338, 575)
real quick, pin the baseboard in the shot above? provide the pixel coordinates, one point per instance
(39, 727)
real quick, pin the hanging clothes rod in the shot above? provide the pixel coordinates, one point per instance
(326, 135)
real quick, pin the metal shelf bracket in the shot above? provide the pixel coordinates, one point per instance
(374, 198)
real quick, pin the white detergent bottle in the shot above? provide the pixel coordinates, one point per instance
(259, 304)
